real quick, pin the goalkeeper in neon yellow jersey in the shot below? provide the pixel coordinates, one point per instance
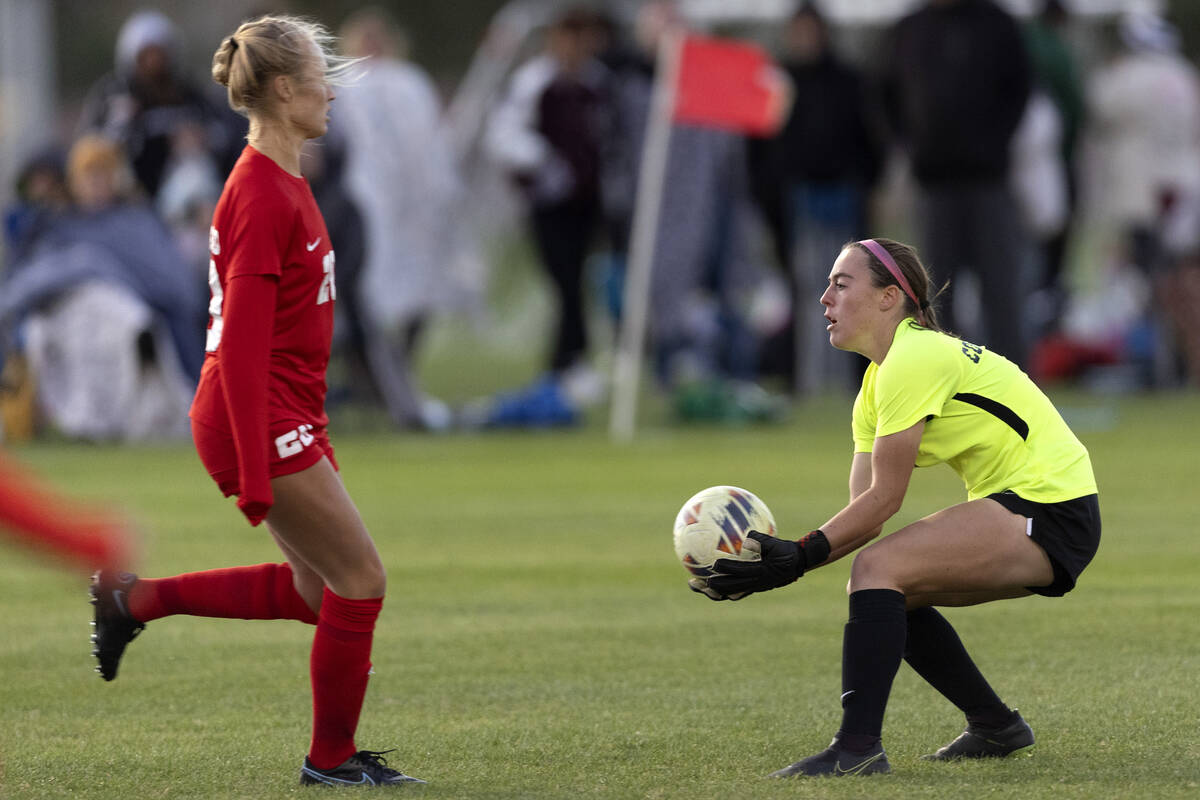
(1030, 524)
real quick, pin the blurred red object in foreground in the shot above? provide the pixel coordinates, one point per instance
(40, 518)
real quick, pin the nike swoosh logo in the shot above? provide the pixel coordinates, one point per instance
(847, 694)
(119, 598)
(313, 246)
(363, 778)
(857, 768)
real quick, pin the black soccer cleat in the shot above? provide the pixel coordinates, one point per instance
(114, 626)
(978, 741)
(364, 768)
(838, 762)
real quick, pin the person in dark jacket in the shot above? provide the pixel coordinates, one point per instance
(548, 134)
(956, 84)
(147, 98)
(813, 180)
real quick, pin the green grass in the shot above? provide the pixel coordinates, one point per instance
(538, 640)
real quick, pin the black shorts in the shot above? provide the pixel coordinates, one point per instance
(1069, 532)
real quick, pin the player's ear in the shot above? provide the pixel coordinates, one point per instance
(284, 87)
(889, 297)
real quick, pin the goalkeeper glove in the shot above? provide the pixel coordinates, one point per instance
(782, 562)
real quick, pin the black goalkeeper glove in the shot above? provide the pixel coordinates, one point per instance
(782, 562)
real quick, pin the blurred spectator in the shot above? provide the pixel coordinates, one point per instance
(400, 174)
(188, 196)
(1180, 292)
(1145, 112)
(111, 320)
(41, 195)
(1039, 183)
(323, 162)
(548, 133)
(705, 352)
(813, 180)
(1058, 82)
(98, 176)
(1145, 106)
(956, 85)
(147, 99)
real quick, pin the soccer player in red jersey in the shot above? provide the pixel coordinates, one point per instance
(258, 418)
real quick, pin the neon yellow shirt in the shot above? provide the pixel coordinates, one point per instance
(984, 417)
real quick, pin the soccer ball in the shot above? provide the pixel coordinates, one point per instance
(714, 524)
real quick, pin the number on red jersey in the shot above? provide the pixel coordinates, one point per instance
(328, 290)
(217, 323)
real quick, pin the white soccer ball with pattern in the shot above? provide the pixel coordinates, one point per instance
(714, 524)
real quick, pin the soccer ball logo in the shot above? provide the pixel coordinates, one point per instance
(714, 524)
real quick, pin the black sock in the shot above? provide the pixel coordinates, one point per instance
(871, 649)
(934, 650)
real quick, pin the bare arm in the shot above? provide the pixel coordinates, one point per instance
(878, 482)
(877, 486)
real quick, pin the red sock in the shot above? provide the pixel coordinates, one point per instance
(263, 591)
(341, 659)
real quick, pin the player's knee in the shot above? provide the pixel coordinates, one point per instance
(868, 571)
(374, 580)
(359, 580)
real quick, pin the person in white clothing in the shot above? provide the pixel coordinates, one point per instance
(401, 174)
(1145, 165)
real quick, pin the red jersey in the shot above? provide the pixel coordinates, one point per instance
(268, 224)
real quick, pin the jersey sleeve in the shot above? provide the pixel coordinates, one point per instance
(245, 357)
(260, 231)
(914, 382)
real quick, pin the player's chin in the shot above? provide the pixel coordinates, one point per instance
(843, 348)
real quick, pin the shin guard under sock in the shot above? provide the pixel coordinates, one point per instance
(872, 646)
(341, 659)
(935, 652)
(262, 591)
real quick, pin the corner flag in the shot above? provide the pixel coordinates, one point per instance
(729, 84)
(718, 83)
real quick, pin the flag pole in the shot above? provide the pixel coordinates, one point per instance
(627, 364)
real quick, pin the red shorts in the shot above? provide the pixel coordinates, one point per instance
(293, 449)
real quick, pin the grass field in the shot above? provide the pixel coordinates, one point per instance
(538, 640)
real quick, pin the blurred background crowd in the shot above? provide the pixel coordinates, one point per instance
(1043, 155)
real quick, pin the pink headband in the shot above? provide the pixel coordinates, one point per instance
(886, 259)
